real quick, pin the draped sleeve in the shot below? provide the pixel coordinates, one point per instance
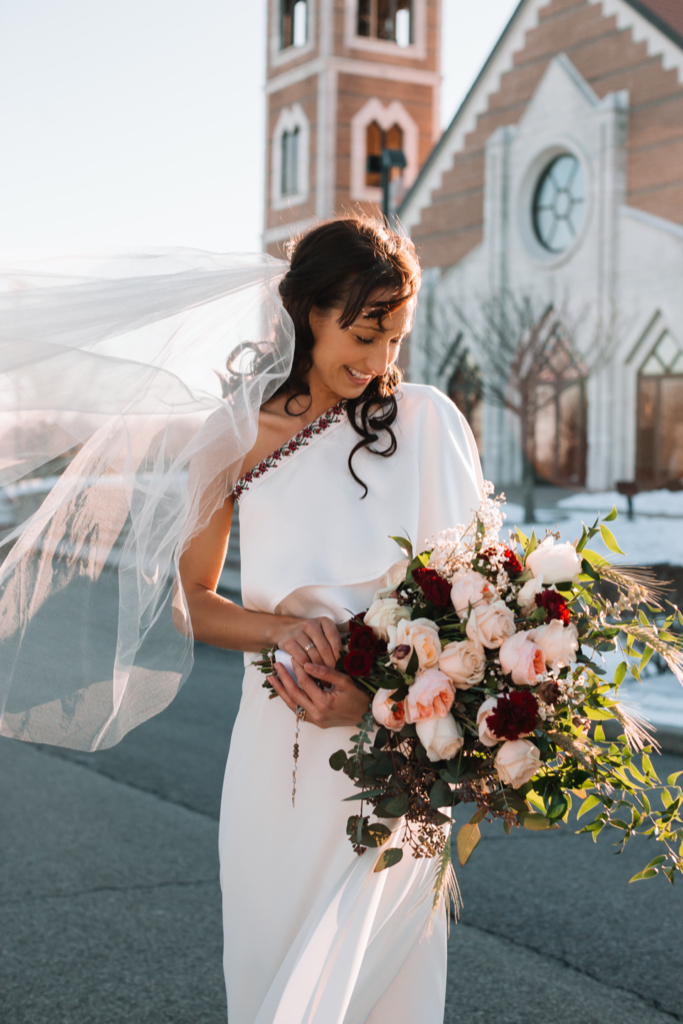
(306, 523)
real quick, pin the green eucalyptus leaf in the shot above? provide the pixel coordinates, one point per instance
(440, 795)
(338, 760)
(375, 834)
(395, 806)
(405, 546)
(388, 858)
(610, 540)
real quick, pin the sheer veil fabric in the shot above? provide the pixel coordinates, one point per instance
(148, 372)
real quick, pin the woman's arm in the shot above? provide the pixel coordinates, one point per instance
(222, 623)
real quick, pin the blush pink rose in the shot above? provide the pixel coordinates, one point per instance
(430, 696)
(517, 761)
(382, 704)
(490, 624)
(464, 662)
(470, 588)
(523, 659)
(558, 642)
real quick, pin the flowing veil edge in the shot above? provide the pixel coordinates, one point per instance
(144, 376)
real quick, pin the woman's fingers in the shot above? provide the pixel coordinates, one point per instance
(317, 641)
(330, 676)
(333, 637)
(292, 695)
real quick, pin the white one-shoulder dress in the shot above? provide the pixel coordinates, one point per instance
(312, 934)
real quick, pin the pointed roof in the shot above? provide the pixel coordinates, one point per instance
(666, 16)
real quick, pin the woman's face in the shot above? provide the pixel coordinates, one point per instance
(346, 359)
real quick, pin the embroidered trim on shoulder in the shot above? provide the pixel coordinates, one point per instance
(300, 440)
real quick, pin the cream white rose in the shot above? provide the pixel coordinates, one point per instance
(441, 737)
(470, 588)
(422, 636)
(397, 573)
(490, 624)
(384, 613)
(556, 563)
(382, 704)
(526, 598)
(488, 738)
(464, 662)
(523, 659)
(517, 761)
(559, 643)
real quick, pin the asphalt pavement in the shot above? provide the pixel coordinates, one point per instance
(110, 904)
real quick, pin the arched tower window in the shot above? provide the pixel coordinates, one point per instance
(659, 459)
(378, 139)
(289, 172)
(293, 23)
(290, 158)
(386, 19)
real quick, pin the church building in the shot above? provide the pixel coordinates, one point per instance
(558, 187)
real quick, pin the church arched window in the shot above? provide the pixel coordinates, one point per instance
(293, 23)
(290, 158)
(391, 20)
(660, 415)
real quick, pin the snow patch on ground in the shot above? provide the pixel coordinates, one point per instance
(653, 503)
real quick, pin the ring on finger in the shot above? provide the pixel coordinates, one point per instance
(301, 713)
(308, 646)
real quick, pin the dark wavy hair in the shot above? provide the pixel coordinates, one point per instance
(345, 265)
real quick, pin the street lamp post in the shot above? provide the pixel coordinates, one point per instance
(382, 165)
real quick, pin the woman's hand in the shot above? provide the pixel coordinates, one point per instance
(342, 704)
(311, 640)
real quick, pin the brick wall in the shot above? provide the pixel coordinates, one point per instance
(609, 60)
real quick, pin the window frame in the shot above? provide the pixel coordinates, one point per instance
(290, 118)
(386, 117)
(280, 55)
(417, 50)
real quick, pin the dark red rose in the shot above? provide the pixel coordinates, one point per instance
(263, 467)
(277, 454)
(357, 663)
(356, 623)
(248, 476)
(434, 587)
(514, 715)
(322, 423)
(555, 605)
(363, 639)
(308, 432)
(292, 446)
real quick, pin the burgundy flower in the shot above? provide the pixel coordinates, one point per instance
(277, 454)
(358, 663)
(238, 491)
(434, 587)
(322, 423)
(511, 562)
(292, 446)
(248, 476)
(515, 715)
(555, 605)
(263, 467)
(308, 432)
(363, 639)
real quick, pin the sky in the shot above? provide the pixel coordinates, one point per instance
(134, 124)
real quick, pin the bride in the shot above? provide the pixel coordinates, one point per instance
(110, 366)
(345, 456)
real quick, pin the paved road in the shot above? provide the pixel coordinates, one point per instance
(109, 899)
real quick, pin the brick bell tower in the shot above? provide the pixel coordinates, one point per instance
(345, 79)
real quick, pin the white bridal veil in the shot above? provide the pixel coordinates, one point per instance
(148, 373)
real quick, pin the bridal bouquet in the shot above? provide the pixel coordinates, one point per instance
(484, 660)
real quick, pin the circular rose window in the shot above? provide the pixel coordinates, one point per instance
(559, 202)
